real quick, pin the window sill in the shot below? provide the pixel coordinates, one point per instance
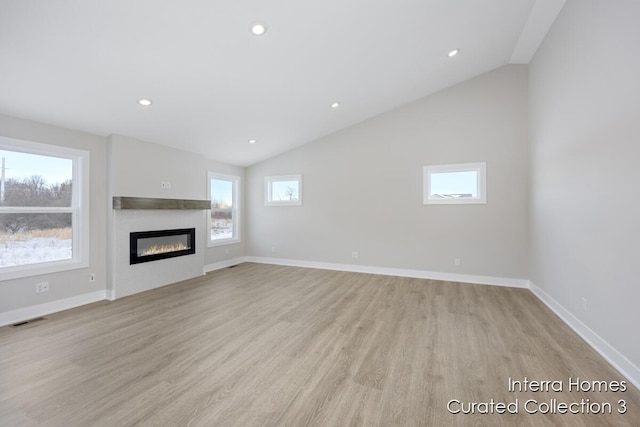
(222, 242)
(30, 270)
(455, 202)
(297, 203)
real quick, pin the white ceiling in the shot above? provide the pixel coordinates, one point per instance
(83, 64)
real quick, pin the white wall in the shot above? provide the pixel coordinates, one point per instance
(363, 187)
(585, 124)
(20, 294)
(138, 168)
(119, 166)
(127, 279)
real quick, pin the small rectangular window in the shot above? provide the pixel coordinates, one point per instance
(44, 216)
(283, 190)
(224, 219)
(455, 184)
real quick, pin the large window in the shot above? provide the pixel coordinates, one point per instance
(224, 220)
(44, 208)
(455, 184)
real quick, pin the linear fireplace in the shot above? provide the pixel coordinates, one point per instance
(148, 246)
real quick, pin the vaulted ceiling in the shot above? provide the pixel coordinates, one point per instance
(215, 86)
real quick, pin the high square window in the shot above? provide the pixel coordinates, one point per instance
(283, 190)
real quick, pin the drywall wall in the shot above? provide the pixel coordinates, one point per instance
(118, 166)
(137, 168)
(584, 121)
(362, 187)
(20, 294)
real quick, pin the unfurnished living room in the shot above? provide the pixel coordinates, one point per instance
(319, 213)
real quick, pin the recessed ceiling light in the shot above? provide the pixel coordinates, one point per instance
(454, 52)
(258, 28)
(252, 141)
(335, 105)
(145, 102)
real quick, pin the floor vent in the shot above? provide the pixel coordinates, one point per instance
(26, 322)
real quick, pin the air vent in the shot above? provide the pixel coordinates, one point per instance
(26, 322)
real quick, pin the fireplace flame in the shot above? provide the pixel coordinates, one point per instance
(163, 249)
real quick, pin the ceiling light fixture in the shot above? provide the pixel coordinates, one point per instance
(335, 105)
(454, 52)
(145, 102)
(258, 28)
(252, 141)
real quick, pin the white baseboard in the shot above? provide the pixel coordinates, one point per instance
(223, 264)
(22, 314)
(613, 356)
(418, 274)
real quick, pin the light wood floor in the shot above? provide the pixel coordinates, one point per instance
(260, 345)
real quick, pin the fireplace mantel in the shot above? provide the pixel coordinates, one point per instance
(155, 203)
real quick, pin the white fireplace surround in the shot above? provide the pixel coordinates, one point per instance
(126, 279)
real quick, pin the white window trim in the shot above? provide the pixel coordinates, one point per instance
(480, 168)
(268, 196)
(235, 211)
(79, 209)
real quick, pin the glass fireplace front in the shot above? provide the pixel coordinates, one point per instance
(148, 246)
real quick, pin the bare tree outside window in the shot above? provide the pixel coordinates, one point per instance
(35, 210)
(223, 222)
(284, 190)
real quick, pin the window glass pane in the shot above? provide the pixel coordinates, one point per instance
(35, 180)
(454, 184)
(285, 190)
(221, 224)
(30, 238)
(221, 194)
(221, 209)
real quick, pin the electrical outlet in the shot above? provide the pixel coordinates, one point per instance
(42, 287)
(163, 184)
(168, 184)
(92, 277)
(226, 251)
(354, 255)
(584, 304)
(273, 249)
(457, 262)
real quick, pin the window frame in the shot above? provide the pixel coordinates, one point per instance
(481, 184)
(79, 209)
(268, 190)
(235, 210)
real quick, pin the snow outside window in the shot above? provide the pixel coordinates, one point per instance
(225, 207)
(44, 208)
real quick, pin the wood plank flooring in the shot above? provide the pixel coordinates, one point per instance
(262, 345)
